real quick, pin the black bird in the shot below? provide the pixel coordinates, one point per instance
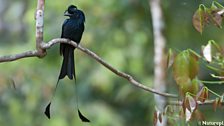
(72, 29)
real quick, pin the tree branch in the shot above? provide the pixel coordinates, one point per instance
(92, 55)
(27, 54)
(158, 26)
(207, 102)
(108, 66)
(39, 17)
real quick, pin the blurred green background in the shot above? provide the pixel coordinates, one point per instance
(120, 32)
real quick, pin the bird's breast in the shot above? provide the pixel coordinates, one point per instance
(73, 30)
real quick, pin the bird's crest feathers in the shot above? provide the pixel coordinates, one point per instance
(74, 13)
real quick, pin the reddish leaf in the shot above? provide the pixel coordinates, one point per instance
(216, 18)
(155, 118)
(200, 18)
(189, 106)
(204, 15)
(160, 117)
(190, 103)
(206, 93)
(216, 14)
(220, 102)
(184, 105)
(215, 103)
(202, 94)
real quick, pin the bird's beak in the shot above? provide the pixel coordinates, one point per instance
(66, 13)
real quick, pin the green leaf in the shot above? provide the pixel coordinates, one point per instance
(185, 67)
(217, 46)
(185, 70)
(194, 86)
(190, 86)
(216, 5)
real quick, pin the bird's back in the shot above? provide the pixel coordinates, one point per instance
(72, 30)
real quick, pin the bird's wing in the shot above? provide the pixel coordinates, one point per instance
(63, 27)
(62, 36)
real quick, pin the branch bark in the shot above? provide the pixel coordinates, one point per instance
(108, 66)
(27, 54)
(40, 27)
(92, 55)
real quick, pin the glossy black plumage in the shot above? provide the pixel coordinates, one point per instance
(72, 29)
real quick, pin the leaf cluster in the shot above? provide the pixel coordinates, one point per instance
(204, 15)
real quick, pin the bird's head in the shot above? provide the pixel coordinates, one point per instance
(75, 13)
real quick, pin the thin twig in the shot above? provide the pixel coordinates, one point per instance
(10, 58)
(207, 102)
(92, 55)
(101, 61)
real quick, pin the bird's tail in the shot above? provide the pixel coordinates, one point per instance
(68, 67)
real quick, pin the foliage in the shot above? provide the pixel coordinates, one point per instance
(204, 16)
(185, 69)
(185, 66)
